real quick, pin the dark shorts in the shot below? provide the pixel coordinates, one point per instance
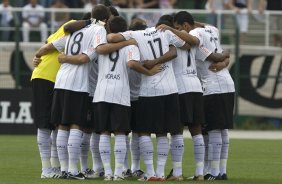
(219, 111)
(111, 117)
(42, 102)
(133, 115)
(192, 109)
(90, 115)
(69, 107)
(159, 114)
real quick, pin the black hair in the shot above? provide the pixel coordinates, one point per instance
(182, 17)
(137, 24)
(117, 24)
(165, 19)
(106, 2)
(113, 11)
(100, 12)
(86, 16)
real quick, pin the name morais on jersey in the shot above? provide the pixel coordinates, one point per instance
(113, 85)
(212, 82)
(153, 44)
(75, 77)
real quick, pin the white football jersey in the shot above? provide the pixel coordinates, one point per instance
(93, 76)
(75, 77)
(185, 71)
(134, 84)
(153, 44)
(212, 82)
(113, 85)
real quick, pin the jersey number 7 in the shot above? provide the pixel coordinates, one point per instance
(160, 47)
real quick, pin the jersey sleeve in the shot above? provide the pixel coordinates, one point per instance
(173, 39)
(198, 35)
(100, 37)
(133, 54)
(60, 43)
(91, 53)
(127, 35)
(215, 30)
(202, 53)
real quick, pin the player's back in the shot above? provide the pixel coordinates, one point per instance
(153, 44)
(75, 77)
(113, 83)
(93, 76)
(134, 84)
(184, 67)
(213, 82)
(49, 64)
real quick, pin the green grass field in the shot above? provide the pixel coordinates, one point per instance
(250, 162)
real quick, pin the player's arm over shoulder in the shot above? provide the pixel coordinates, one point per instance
(45, 49)
(111, 47)
(74, 26)
(219, 57)
(133, 62)
(184, 36)
(75, 59)
(168, 56)
(115, 37)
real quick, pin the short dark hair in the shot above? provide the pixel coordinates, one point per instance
(100, 12)
(113, 11)
(117, 24)
(182, 17)
(165, 19)
(137, 24)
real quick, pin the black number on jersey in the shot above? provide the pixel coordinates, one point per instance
(160, 47)
(188, 59)
(76, 41)
(114, 58)
(215, 41)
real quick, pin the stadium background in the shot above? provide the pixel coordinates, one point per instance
(256, 65)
